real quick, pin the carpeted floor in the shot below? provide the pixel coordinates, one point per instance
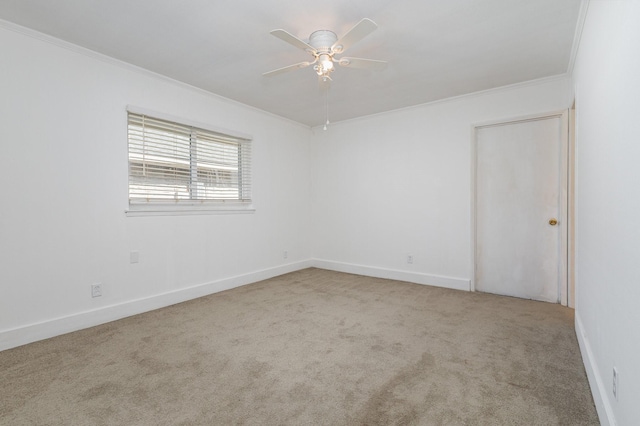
(312, 347)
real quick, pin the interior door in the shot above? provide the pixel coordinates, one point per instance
(520, 208)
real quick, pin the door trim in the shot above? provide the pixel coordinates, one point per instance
(563, 290)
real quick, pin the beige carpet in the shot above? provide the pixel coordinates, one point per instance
(310, 348)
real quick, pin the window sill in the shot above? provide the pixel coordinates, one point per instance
(138, 210)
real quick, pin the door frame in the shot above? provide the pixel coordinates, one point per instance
(563, 279)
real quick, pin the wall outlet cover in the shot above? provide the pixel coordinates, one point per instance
(96, 290)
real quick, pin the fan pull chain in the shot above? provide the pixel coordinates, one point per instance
(326, 106)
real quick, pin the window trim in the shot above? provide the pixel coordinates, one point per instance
(137, 210)
(185, 207)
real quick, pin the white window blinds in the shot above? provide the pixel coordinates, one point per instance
(175, 163)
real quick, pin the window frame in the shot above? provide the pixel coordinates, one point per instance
(159, 207)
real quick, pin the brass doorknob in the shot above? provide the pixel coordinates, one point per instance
(553, 222)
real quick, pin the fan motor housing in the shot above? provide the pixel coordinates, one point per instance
(322, 40)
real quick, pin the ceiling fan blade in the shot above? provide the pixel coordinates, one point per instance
(293, 40)
(286, 69)
(354, 35)
(367, 64)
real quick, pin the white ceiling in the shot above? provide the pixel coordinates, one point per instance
(435, 48)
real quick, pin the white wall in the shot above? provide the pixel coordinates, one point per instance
(399, 184)
(63, 151)
(607, 81)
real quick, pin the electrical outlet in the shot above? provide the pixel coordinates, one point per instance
(616, 383)
(409, 259)
(285, 254)
(96, 290)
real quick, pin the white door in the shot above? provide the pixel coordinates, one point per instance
(520, 208)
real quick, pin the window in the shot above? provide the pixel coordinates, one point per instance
(177, 164)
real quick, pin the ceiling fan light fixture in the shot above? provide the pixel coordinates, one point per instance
(326, 61)
(324, 66)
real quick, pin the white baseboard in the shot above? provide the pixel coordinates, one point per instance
(50, 328)
(393, 274)
(598, 389)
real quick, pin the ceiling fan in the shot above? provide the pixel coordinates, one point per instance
(323, 45)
